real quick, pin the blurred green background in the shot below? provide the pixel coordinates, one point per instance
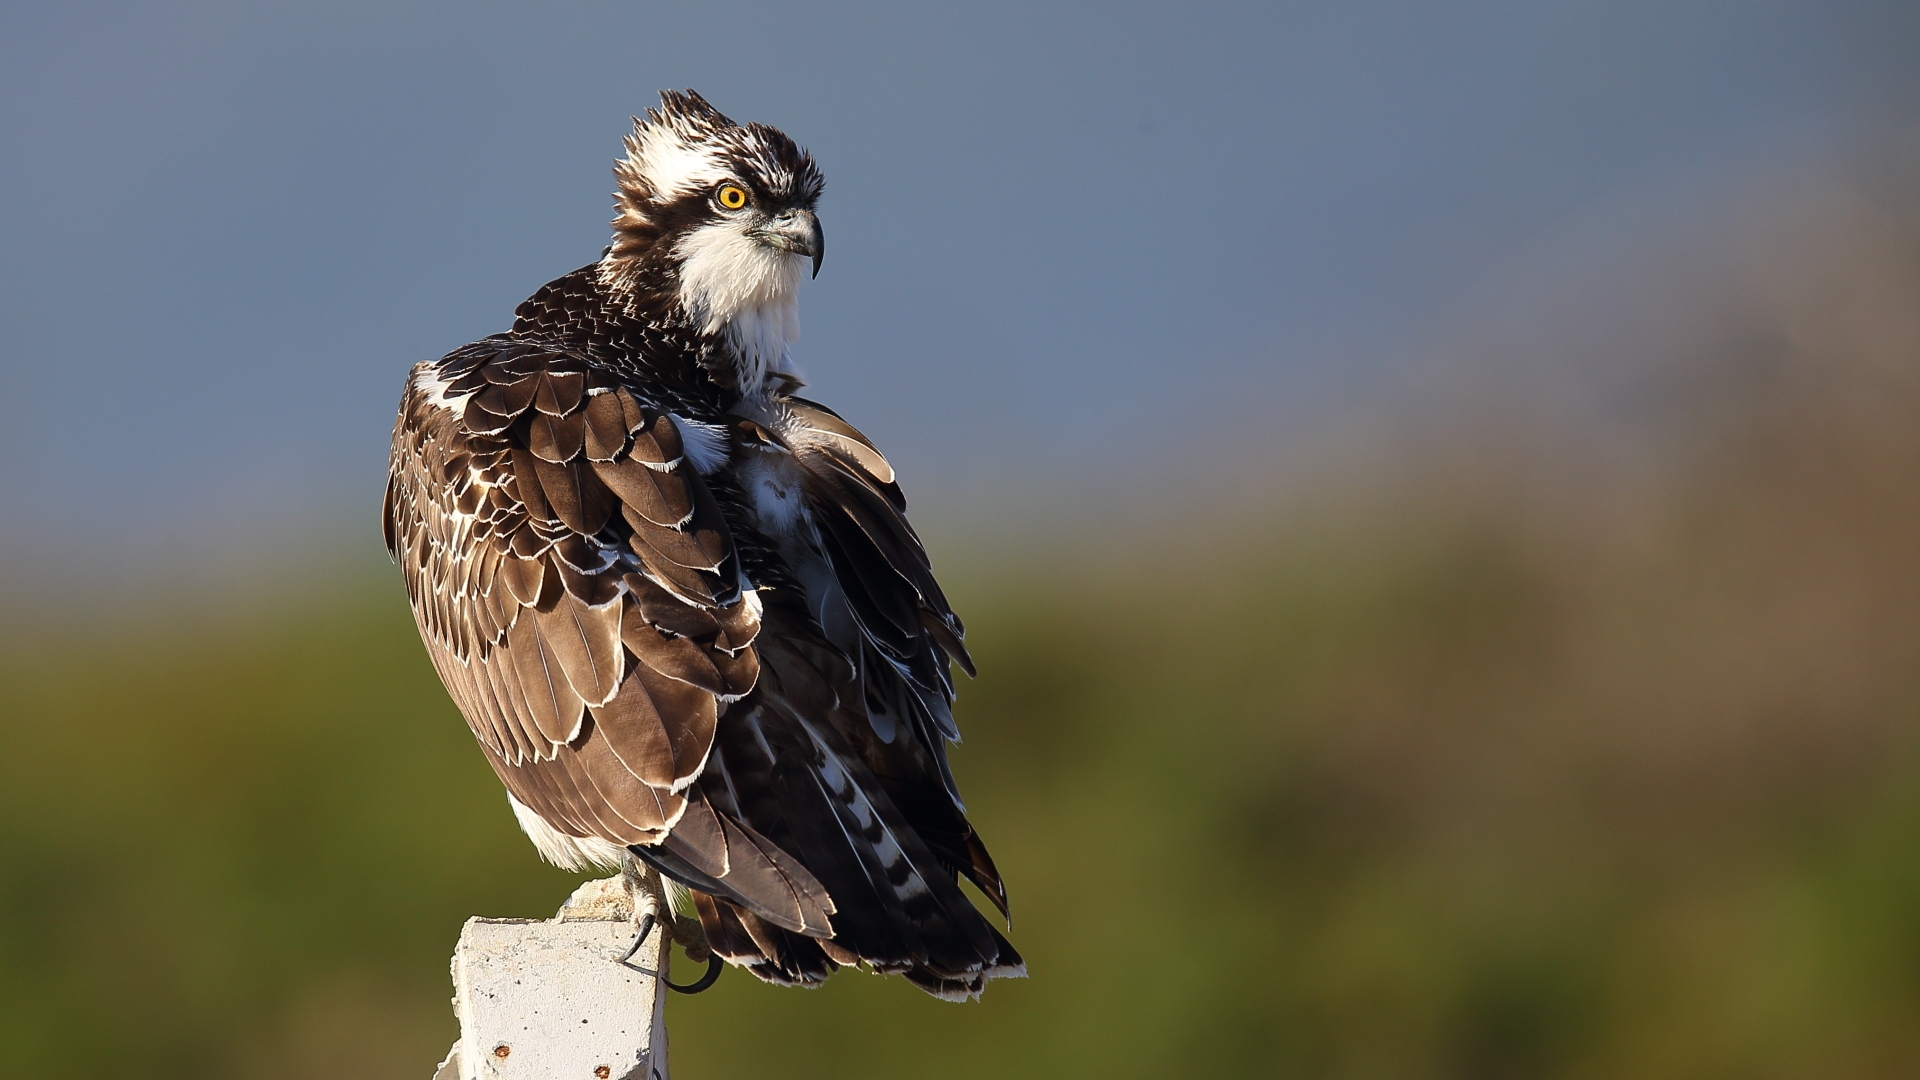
(1514, 735)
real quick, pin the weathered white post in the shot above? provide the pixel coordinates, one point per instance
(553, 999)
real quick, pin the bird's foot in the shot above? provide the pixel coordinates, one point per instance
(653, 908)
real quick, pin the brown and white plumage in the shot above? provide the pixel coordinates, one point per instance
(681, 607)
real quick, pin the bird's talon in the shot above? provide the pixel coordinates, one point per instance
(715, 966)
(639, 939)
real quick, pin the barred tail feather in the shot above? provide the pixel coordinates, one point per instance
(778, 775)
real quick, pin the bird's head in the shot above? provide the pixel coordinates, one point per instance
(714, 214)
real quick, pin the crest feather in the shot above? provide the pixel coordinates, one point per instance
(684, 147)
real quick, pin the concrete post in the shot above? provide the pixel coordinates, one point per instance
(550, 1000)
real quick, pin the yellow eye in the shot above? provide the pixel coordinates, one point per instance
(732, 197)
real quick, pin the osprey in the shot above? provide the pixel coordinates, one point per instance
(680, 605)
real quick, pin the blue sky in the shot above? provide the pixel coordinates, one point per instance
(1063, 240)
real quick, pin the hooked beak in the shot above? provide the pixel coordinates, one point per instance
(797, 231)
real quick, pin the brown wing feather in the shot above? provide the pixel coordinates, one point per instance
(631, 727)
(542, 516)
(586, 642)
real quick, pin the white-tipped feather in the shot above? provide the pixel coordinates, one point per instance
(432, 385)
(705, 445)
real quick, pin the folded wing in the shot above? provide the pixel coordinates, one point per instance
(578, 590)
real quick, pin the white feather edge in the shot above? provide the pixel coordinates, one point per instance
(706, 445)
(432, 386)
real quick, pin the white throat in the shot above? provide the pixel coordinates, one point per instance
(733, 285)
